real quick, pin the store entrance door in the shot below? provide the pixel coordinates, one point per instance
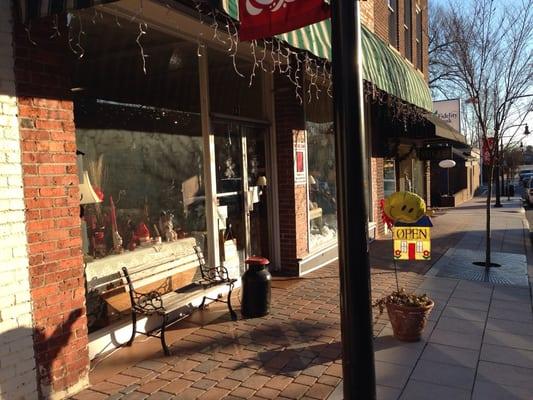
(242, 185)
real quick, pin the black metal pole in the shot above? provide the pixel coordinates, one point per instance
(354, 267)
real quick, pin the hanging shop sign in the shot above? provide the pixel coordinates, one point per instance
(487, 150)
(449, 111)
(266, 18)
(411, 243)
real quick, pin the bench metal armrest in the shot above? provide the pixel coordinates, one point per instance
(148, 303)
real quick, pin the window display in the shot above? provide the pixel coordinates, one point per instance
(321, 167)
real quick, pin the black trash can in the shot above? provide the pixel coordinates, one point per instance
(256, 288)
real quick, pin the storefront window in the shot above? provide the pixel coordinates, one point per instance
(321, 166)
(389, 178)
(138, 127)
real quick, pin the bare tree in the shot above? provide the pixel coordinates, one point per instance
(482, 49)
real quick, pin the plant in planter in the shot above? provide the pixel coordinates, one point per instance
(408, 312)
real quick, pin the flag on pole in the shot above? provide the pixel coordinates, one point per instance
(266, 18)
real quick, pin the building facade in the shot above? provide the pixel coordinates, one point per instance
(181, 142)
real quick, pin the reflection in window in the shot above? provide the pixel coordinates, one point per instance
(321, 167)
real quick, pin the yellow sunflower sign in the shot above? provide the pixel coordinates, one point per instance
(410, 226)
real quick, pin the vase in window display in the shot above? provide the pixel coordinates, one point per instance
(143, 234)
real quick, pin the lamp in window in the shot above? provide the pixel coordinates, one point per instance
(261, 181)
(87, 193)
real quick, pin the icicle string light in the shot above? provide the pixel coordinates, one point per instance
(143, 26)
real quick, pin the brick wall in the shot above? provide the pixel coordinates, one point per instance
(17, 363)
(52, 210)
(381, 19)
(289, 116)
(367, 13)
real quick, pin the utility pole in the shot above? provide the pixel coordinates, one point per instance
(359, 380)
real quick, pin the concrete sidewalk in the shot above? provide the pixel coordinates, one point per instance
(479, 342)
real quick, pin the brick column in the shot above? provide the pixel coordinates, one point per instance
(293, 209)
(17, 363)
(51, 197)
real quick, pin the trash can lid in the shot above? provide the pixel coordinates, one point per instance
(256, 260)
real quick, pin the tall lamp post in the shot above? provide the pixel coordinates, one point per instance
(359, 381)
(499, 149)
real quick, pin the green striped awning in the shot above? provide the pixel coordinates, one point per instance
(382, 66)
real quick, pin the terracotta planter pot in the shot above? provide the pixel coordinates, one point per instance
(408, 322)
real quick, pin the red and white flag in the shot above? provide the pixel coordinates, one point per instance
(265, 18)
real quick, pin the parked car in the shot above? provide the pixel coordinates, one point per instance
(524, 179)
(528, 191)
(522, 174)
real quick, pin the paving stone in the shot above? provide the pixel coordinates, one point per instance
(169, 375)
(130, 388)
(241, 374)
(160, 396)
(507, 355)
(204, 384)
(315, 370)
(228, 384)
(189, 394)
(255, 382)
(461, 325)
(393, 375)
(456, 339)
(512, 315)
(107, 387)
(279, 382)
(135, 396)
(154, 366)
(294, 391)
(319, 391)
(496, 391)
(508, 340)
(417, 390)
(505, 374)
(152, 386)
(267, 393)
(468, 304)
(207, 366)
(388, 349)
(242, 392)
(139, 372)
(519, 328)
(177, 386)
(444, 374)
(306, 380)
(214, 394)
(124, 380)
(450, 355)
(329, 380)
(464, 313)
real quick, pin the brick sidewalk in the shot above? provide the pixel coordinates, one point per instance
(292, 353)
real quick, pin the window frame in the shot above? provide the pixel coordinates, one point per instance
(418, 38)
(408, 29)
(393, 23)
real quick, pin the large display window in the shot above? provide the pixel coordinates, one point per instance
(139, 136)
(322, 184)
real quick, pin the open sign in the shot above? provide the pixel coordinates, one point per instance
(411, 243)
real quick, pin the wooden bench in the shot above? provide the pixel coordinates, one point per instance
(164, 302)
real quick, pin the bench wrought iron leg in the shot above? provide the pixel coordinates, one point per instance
(163, 342)
(134, 328)
(202, 304)
(232, 313)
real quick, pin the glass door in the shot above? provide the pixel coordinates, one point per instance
(242, 184)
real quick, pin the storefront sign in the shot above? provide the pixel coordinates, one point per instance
(300, 158)
(411, 243)
(266, 18)
(449, 111)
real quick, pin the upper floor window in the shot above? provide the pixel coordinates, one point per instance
(418, 22)
(393, 22)
(408, 28)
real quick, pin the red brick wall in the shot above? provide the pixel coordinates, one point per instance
(52, 210)
(292, 200)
